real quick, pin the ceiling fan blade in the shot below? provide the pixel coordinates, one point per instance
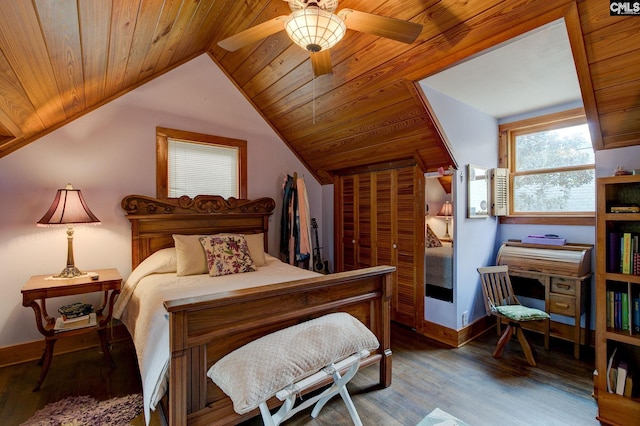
(321, 62)
(383, 26)
(253, 34)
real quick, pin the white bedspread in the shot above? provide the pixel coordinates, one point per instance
(438, 266)
(140, 307)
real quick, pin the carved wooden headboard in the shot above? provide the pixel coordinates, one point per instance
(155, 220)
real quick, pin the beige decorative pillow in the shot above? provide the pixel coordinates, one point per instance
(190, 254)
(259, 369)
(431, 239)
(256, 248)
(227, 254)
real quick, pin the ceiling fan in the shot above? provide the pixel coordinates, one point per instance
(315, 27)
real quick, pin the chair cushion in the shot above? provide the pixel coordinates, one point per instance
(521, 313)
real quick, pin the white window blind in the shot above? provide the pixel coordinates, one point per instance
(197, 169)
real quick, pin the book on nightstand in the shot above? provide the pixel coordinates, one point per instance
(75, 323)
(75, 310)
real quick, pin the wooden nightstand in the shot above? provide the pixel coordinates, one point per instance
(39, 288)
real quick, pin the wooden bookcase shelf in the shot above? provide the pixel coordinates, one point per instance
(613, 408)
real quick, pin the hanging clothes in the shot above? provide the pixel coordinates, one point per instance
(304, 249)
(295, 222)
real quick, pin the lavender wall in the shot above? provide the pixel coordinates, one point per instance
(110, 153)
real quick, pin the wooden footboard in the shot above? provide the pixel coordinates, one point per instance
(204, 329)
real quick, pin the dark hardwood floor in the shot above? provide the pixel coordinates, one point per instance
(465, 382)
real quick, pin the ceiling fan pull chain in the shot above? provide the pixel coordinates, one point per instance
(313, 96)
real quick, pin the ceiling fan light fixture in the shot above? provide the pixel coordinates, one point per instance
(314, 29)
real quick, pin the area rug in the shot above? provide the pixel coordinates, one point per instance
(84, 410)
(441, 418)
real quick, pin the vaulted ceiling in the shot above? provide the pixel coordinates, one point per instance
(60, 59)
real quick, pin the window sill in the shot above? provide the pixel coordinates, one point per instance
(549, 220)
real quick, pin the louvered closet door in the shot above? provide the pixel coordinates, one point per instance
(386, 228)
(409, 258)
(365, 205)
(398, 194)
(380, 221)
(346, 255)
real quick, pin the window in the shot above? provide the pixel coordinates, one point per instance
(551, 165)
(192, 164)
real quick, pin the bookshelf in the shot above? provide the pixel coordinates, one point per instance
(617, 331)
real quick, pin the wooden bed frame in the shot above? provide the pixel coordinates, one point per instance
(204, 329)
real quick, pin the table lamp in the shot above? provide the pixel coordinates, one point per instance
(446, 211)
(68, 208)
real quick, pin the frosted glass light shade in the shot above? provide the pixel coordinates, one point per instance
(314, 29)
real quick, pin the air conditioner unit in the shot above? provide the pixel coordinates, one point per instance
(499, 191)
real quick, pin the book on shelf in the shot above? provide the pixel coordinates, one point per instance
(624, 311)
(617, 312)
(612, 366)
(623, 253)
(626, 250)
(621, 376)
(613, 252)
(628, 387)
(75, 323)
(635, 307)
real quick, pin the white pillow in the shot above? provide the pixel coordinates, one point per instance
(259, 369)
(160, 262)
(256, 248)
(191, 256)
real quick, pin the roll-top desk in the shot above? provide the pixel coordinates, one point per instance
(564, 271)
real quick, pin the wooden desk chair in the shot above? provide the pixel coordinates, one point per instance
(500, 301)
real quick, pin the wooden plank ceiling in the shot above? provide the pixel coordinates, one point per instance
(60, 59)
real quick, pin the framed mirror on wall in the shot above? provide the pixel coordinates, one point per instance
(477, 192)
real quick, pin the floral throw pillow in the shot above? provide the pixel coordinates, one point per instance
(227, 254)
(431, 239)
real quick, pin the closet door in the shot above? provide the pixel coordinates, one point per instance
(385, 234)
(365, 224)
(380, 221)
(408, 245)
(345, 223)
(400, 238)
(354, 224)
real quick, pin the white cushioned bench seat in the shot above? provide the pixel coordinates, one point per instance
(253, 373)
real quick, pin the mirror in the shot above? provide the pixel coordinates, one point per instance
(438, 251)
(477, 192)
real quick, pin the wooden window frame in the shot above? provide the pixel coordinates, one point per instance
(162, 156)
(508, 132)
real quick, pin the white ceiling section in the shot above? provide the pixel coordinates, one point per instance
(532, 72)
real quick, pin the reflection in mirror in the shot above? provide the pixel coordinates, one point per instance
(477, 192)
(438, 252)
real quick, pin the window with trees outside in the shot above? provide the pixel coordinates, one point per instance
(189, 163)
(551, 166)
